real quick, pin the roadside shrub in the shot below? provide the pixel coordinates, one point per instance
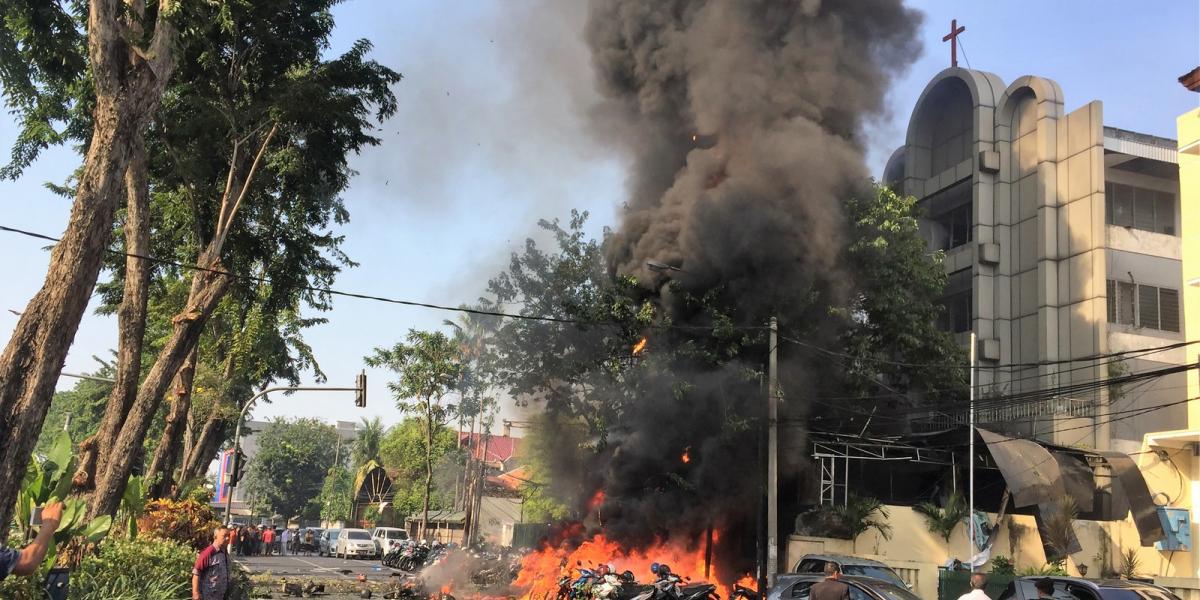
(1001, 565)
(21, 588)
(140, 569)
(185, 521)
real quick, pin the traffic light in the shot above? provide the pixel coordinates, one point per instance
(360, 389)
(235, 473)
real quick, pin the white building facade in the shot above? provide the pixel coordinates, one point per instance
(1061, 239)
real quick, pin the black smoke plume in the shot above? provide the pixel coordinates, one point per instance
(742, 121)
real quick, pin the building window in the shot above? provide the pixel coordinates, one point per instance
(1143, 306)
(951, 216)
(1139, 208)
(957, 303)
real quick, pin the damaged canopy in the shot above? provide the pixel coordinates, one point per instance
(1038, 477)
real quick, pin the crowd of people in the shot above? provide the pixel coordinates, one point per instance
(250, 540)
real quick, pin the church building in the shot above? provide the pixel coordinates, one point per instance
(1062, 244)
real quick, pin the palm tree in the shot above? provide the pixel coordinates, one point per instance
(861, 514)
(366, 443)
(1057, 528)
(942, 521)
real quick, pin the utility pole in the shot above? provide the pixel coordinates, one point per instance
(773, 454)
(971, 459)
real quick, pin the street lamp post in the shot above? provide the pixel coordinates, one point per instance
(360, 389)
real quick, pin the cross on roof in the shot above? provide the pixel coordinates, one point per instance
(952, 37)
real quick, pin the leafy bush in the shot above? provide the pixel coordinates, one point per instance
(21, 588)
(185, 521)
(859, 515)
(135, 569)
(1130, 564)
(1052, 569)
(1002, 565)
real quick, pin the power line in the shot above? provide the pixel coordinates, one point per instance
(1018, 399)
(1009, 366)
(1008, 382)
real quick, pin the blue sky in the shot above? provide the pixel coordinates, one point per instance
(492, 134)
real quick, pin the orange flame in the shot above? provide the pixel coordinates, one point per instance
(687, 455)
(638, 347)
(748, 581)
(541, 570)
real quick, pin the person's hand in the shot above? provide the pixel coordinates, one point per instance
(52, 512)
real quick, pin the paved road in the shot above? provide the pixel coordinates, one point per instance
(315, 566)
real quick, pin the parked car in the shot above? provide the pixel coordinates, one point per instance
(850, 565)
(386, 536)
(328, 542)
(1075, 588)
(355, 543)
(795, 586)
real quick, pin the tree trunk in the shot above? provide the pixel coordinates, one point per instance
(160, 475)
(205, 448)
(428, 470)
(197, 459)
(208, 287)
(128, 87)
(131, 317)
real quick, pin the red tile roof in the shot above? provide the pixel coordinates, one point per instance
(500, 448)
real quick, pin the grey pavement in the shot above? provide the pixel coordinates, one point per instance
(316, 566)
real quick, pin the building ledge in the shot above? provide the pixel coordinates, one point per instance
(1140, 241)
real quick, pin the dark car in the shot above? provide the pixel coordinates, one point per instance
(1074, 588)
(796, 586)
(850, 565)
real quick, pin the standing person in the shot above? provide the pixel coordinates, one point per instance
(831, 588)
(978, 581)
(284, 538)
(210, 574)
(268, 540)
(26, 560)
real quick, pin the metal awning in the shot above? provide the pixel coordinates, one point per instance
(1037, 476)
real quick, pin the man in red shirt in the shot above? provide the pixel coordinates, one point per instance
(268, 539)
(210, 574)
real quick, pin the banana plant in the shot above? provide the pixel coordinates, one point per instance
(133, 504)
(49, 480)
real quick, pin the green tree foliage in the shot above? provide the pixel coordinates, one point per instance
(893, 317)
(553, 360)
(429, 366)
(290, 465)
(554, 443)
(336, 497)
(83, 404)
(402, 452)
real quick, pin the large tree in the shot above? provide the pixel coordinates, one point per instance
(124, 59)
(428, 367)
(253, 149)
(287, 471)
(404, 451)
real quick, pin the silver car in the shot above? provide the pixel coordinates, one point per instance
(327, 544)
(355, 543)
